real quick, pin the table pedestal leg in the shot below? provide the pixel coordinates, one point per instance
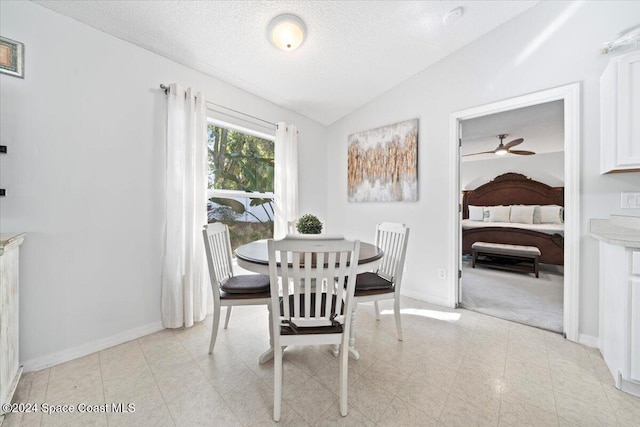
(268, 355)
(353, 353)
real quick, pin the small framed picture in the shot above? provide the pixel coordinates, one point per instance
(11, 57)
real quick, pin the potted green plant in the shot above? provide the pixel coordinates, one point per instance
(309, 224)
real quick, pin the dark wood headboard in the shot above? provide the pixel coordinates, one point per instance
(512, 189)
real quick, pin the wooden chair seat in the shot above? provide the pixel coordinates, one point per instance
(372, 281)
(289, 330)
(229, 296)
(371, 292)
(246, 284)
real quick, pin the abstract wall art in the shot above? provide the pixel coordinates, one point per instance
(11, 57)
(383, 164)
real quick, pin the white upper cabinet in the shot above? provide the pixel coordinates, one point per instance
(620, 114)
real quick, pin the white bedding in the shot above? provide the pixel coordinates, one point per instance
(542, 228)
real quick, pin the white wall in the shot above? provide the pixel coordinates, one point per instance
(535, 51)
(547, 168)
(84, 178)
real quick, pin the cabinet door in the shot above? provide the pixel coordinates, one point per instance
(629, 110)
(635, 329)
(9, 364)
(635, 263)
(619, 110)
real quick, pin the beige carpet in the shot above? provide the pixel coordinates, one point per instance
(515, 296)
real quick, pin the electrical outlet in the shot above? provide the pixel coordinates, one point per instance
(630, 200)
(442, 273)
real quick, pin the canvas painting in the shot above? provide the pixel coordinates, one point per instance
(383, 164)
(11, 57)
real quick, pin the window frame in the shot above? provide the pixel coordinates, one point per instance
(212, 192)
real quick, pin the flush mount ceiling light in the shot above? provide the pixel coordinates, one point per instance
(286, 32)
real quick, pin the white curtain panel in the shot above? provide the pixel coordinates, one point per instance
(286, 178)
(184, 275)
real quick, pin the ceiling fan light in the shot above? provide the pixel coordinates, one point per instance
(286, 32)
(501, 151)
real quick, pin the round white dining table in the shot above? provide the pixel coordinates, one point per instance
(254, 256)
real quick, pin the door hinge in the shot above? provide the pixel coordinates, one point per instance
(459, 207)
(459, 274)
(459, 142)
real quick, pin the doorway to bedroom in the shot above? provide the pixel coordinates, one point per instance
(512, 192)
(520, 252)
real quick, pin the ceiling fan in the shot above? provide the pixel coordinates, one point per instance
(503, 149)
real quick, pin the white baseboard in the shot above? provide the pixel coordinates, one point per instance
(588, 340)
(425, 297)
(631, 387)
(49, 360)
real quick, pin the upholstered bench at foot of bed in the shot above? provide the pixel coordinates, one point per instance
(516, 252)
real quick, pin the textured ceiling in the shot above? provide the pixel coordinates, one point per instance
(354, 50)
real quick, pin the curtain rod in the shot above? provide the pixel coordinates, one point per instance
(166, 89)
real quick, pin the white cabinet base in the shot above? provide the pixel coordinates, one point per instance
(620, 316)
(10, 369)
(12, 389)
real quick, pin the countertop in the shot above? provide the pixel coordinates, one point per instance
(618, 230)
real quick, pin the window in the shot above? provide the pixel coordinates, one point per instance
(240, 187)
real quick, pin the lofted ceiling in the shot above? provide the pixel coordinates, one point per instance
(541, 126)
(354, 50)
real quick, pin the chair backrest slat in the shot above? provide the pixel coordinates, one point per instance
(218, 252)
(392, 239)
(310, 268)
(286, 282)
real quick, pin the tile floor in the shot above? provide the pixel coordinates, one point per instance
(454, 368)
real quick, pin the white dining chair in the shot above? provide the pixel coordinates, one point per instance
(228, 289)
(385, 282)
(308, 312)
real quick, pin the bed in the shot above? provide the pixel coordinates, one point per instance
(508, 190)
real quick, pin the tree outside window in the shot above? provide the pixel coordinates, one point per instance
(240, 188)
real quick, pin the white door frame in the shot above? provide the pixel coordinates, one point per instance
(570, 94)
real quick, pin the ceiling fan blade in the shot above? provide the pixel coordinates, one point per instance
(522, 152)
(475, 154)
(514, 143)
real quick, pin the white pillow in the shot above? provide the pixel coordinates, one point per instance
(536, 215)
(498, 213)
(476, 213)
(551, 214)
(522, 214)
